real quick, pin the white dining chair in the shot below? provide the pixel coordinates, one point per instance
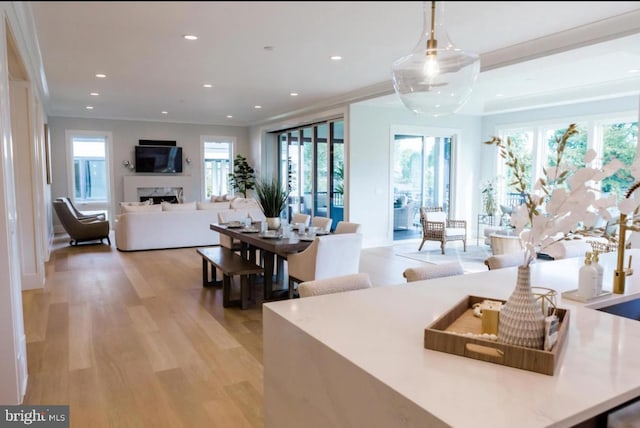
(505, 260)
(322, 223)
(338, 284)
(347, 227)
(431, 271)
(227, 216)
(301, 218)
(327, 256)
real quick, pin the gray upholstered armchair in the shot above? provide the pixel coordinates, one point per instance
(81, 230)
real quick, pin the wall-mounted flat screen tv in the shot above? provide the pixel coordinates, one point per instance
(158, 159)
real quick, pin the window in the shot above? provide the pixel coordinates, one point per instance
(537, 145)
(620, 141)
(89, 172)
(217, 156)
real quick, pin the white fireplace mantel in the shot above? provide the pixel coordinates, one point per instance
(133, 182)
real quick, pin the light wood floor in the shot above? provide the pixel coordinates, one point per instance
(133, 340)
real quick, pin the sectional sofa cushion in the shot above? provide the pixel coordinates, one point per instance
(212, 205)
(141, 208)
(187, 206)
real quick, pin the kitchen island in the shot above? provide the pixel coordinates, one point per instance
(356, 359)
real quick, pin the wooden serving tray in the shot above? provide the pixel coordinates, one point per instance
(440, 336)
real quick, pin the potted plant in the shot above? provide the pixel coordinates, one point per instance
(489, 197)
(272, 198)
(243, 177)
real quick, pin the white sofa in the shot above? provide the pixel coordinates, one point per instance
(175, 225)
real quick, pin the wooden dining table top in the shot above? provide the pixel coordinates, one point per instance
(282, 246)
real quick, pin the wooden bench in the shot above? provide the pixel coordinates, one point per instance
(230, 264)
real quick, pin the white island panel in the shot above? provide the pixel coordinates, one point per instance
(357, 359)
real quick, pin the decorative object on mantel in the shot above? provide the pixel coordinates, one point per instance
(436, 78)
(243, 177)
(561, 200)
(272, 200)
(129, 165)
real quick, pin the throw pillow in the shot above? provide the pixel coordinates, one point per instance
(141, 208)
(438, 216)
(244, 203)
(189, 206)
(212, 205)
(219, 198)
(137, 204)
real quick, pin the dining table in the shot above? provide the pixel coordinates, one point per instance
(271, 244)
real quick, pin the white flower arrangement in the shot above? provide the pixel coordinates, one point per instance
(561, 202)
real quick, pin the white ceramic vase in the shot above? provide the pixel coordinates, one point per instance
(521, 318)
(273, 223)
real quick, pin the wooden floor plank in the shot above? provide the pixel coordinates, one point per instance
(132, 339)
(35, 322)
(142, 321)
(80, 337)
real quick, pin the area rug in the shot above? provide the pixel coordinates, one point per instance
(471, 260)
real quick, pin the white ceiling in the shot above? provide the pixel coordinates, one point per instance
(151, 68)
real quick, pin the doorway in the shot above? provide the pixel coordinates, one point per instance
(421, 171)
(312, 164)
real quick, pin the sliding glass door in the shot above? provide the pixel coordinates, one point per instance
(421, 177)
(312, 164)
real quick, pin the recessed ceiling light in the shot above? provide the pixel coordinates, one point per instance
(164, 112)
(190, 37)
(229, 116)
(101, 76)
(94, 94)
(207, 85)
(336, 58)
(268, 48)
(257, 106)
(634, 70)
(294, 94)
(499, 95)
(89, 107)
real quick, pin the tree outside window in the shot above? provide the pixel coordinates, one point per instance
(620, 141)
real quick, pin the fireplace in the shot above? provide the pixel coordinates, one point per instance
(138, 186)
(160, 199)
(160, 194)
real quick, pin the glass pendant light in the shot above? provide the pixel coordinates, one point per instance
(436, 78)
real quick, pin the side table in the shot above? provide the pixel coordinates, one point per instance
(487, 219)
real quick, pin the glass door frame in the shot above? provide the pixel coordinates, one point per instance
(285, 165)
(424, 132)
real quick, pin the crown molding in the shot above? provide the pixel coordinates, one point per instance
(25, 34)
(597, 32)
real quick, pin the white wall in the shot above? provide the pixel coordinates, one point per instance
(16, 18)
(369, 170)
(125, 137)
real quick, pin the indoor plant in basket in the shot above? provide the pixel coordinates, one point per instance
(272, 199)
(559, 204)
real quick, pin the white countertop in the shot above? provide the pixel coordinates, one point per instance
(380, 330)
